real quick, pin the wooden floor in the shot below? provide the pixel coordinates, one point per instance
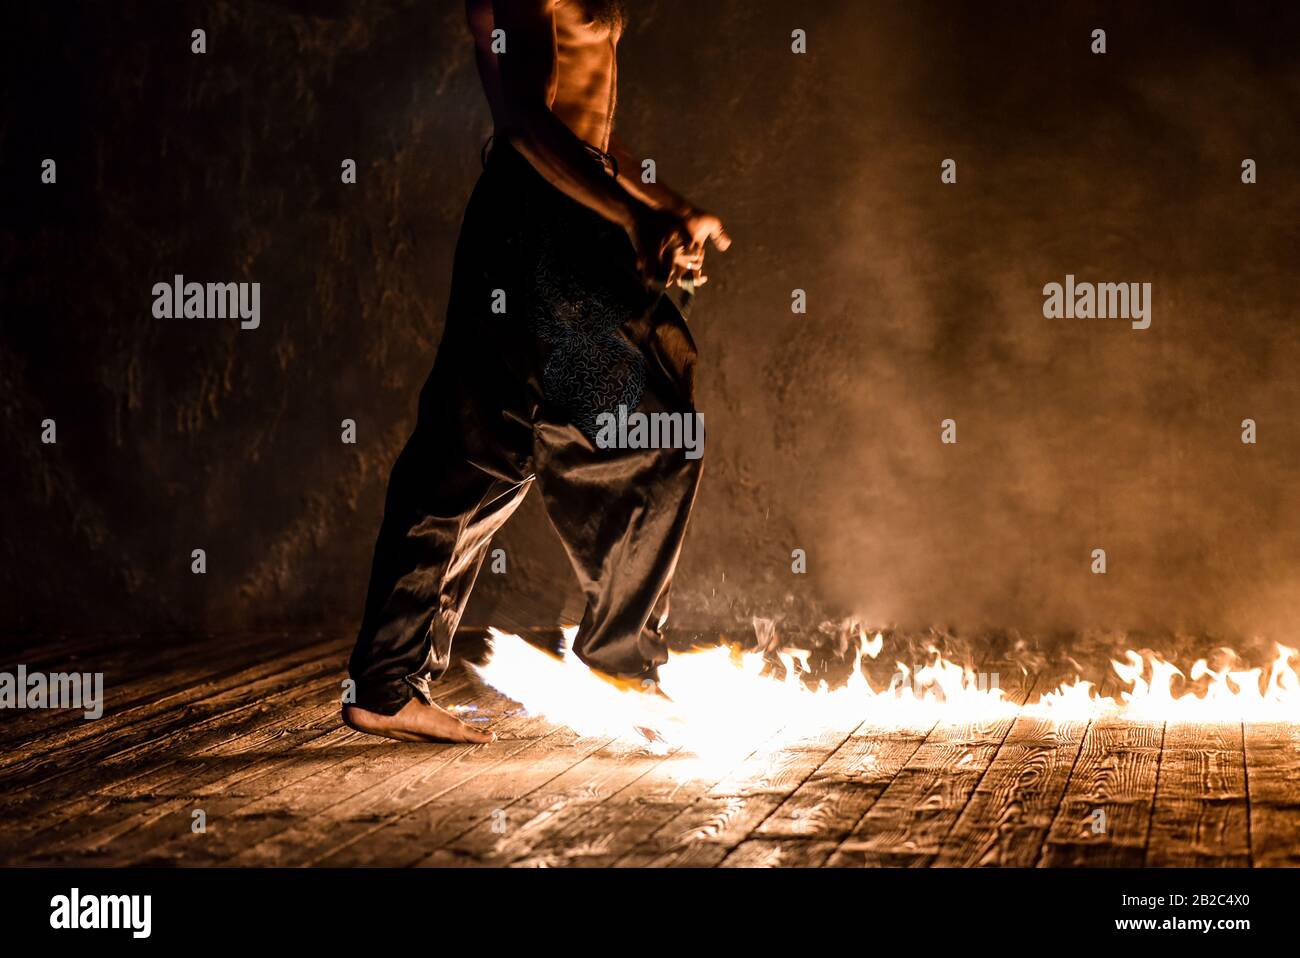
(245, 729)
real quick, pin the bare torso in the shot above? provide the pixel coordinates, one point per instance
(584, 86)
(551, 77)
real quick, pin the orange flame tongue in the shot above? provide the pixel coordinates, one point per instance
(721, 704)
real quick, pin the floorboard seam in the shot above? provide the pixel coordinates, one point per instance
(1074, 766)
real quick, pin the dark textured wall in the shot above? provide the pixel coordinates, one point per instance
(823, 429)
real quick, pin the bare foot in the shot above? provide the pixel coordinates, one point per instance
(416, 722)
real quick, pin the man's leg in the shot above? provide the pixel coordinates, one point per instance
(462, 474)
(622, 515)
(440, 515)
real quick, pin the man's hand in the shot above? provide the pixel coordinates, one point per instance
(669, 247)
(701, 227)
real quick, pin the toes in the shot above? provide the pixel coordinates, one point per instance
(473, 734)
(482, 736)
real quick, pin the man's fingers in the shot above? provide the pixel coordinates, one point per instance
(694, 277)
(720, 239)
(690, 259)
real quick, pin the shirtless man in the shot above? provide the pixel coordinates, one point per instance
(563, 231)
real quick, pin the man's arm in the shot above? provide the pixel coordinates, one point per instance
(697, 224)
(659, 195)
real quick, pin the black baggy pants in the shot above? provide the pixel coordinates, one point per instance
(548, 326)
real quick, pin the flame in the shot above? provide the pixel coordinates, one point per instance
(721, 703)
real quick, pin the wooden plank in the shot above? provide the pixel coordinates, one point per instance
(1115, 775)
(909, 821)
(149, 824)
(136, 674)
(831, 799)
(839, 793)
(546, 841)
(74, 801)
(705, 832)
(424, 781)
(560, 831)
(255, 741)
(82, 791)
(907, 824)
(1273, 788)
(421, 832)
(1012, 808)
(779, 853)
(60, 753)
(90, 799)
(717, 819)
(274, 726)
(115, 769)
(305, 784)
(135, 653)
(563, 800)
(1200, 816)
(42, 648)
